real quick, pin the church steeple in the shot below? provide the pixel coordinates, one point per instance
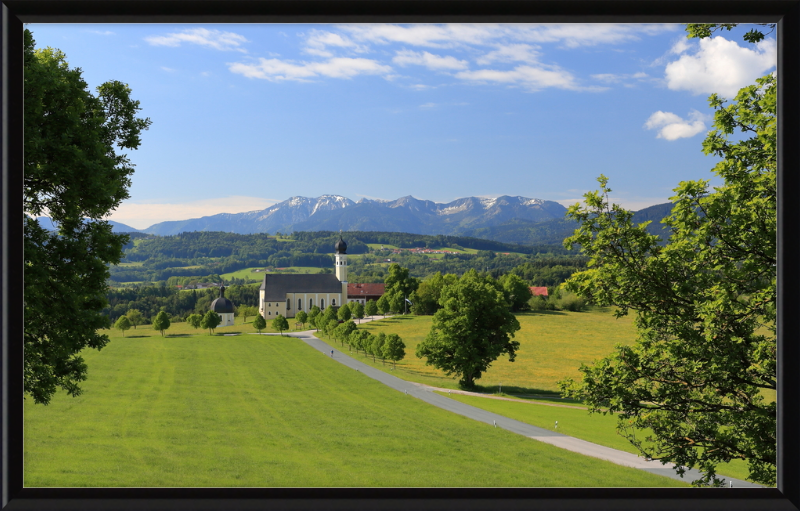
(340, 249)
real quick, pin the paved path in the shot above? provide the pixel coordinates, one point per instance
(427, 394)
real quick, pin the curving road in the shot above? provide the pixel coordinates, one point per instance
(427, 394)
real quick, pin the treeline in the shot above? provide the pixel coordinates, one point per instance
(149, 300)
(408, 240)
(202, 253)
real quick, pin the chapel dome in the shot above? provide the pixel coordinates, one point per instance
(222, 305)
(340, 247)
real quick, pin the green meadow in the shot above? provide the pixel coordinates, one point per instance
(248, 273)
(576, 422)
(553, 344)
(194, 409)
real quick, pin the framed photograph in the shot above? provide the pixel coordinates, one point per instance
(360, 104)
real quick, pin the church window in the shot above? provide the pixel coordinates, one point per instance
(333, 302)
(310, 303)
(321, 303)
(288, 304)
(299, 303)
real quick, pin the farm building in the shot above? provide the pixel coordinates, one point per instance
(538, 291)
(364, 292)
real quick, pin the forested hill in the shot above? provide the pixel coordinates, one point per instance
(151, 258)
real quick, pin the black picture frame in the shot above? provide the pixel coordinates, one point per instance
(14, 13)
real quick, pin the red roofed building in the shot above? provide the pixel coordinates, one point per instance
(363, 292)
(538, 291)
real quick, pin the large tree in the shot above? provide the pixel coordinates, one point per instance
(516, 291)
(426, 297)
(398, 287)
(471, 330)
(704, 303)
(73, 174)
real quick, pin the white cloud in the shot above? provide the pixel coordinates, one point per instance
(435, 36)
(510, 53)
(673, 127)
(429, 60)
(319, 41)
(101, 32)
(141, 215)
(574, 35)
(278, 70)
(721, 66)
(532, 78)
(216, 39)
(428, 105)
(681, 46)
(453, 35)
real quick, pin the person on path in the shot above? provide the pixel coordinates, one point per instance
(331, 353)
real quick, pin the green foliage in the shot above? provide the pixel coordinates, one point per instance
(357, 310)
(280, 324)
(378, 342)
(371, 308)
(399, 285)
(472, 329)
(426, 298)
(383, 305)
(301, 317)
(123, 323)
(73, 173)
(702, 30)
(330, 313)
(394, 349)
(161, 322)
(704, 303)
(516, 292)
(195, 320)
(152, 298)
(135, 317)
(342, 331)
(210, 320)
(313, 314)
(344, 313)
(259, 323)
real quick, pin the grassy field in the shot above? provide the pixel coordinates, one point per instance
(553, 344)
(198, 410)
(248, 273)
(596, 428)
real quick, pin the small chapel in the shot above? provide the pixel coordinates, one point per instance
(288, 294)
(224, 308)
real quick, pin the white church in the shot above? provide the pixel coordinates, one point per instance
(287, 294)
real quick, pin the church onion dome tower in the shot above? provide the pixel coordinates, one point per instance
(340, 247)
(340, 256)
(222, 305)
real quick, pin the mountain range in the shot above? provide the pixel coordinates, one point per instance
(406, 214)
(511, 219)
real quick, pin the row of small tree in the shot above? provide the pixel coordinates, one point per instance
(161, 321)
(386, 346)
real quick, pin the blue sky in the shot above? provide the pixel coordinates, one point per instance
(245, 116)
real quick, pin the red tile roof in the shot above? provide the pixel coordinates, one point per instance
(538, 291)
(365, 289)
